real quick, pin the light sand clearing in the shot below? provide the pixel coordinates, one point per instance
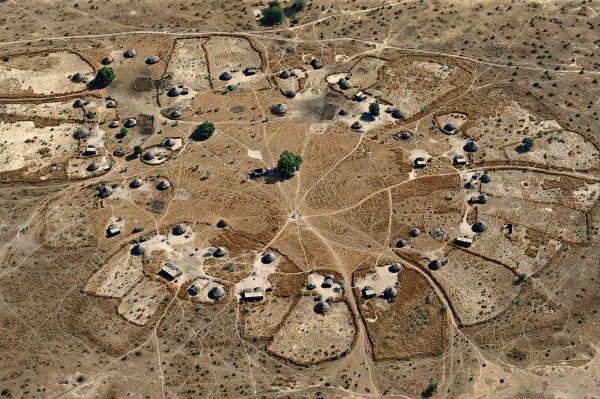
(188, 64)
(380, 280)
(359, 111)
(43, 74)
(440, 70)
(52, 110)
(256, 154)
(335, 292)
(204, 284)
(23, 145)
(259, 276)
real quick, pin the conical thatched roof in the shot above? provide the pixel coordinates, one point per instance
(130, 53)
(149, 155)
(136, 183)
(179, 229)
(268, 257)
(163, 185)
(220, 252)
(105, 191)
(152, 59)
(107, 60)
(279, 109)
(471, 146)
(225, 75)
(414, 232)
(216, 293)
(138, 249)
(479, 226)
(113, 124)
(395, 268)
(321, 307)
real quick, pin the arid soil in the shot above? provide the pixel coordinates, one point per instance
(440, 238)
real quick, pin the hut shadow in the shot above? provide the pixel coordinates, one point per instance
(522, 149)
(367, 117)
(131, 157)
(275, 176)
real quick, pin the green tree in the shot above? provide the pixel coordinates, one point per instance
(273, 15)
(124, 131)
(374, 109)
(6, 58)
(527, 144)
(430, 390)
(289, 163)
(104, 77)
(204, 130)
(298, 4)
(137, 150)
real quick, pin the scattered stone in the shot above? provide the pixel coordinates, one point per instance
(437, 233)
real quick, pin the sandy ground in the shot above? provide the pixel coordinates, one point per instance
(50, 74)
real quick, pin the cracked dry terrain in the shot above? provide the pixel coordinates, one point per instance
(424, 246)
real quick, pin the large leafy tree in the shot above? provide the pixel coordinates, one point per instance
(274, 14)
(289, 163)
(204, 130)
(104, 77)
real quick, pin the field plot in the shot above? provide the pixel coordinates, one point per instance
(299, 199)
(306, 337)
(43, 74)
